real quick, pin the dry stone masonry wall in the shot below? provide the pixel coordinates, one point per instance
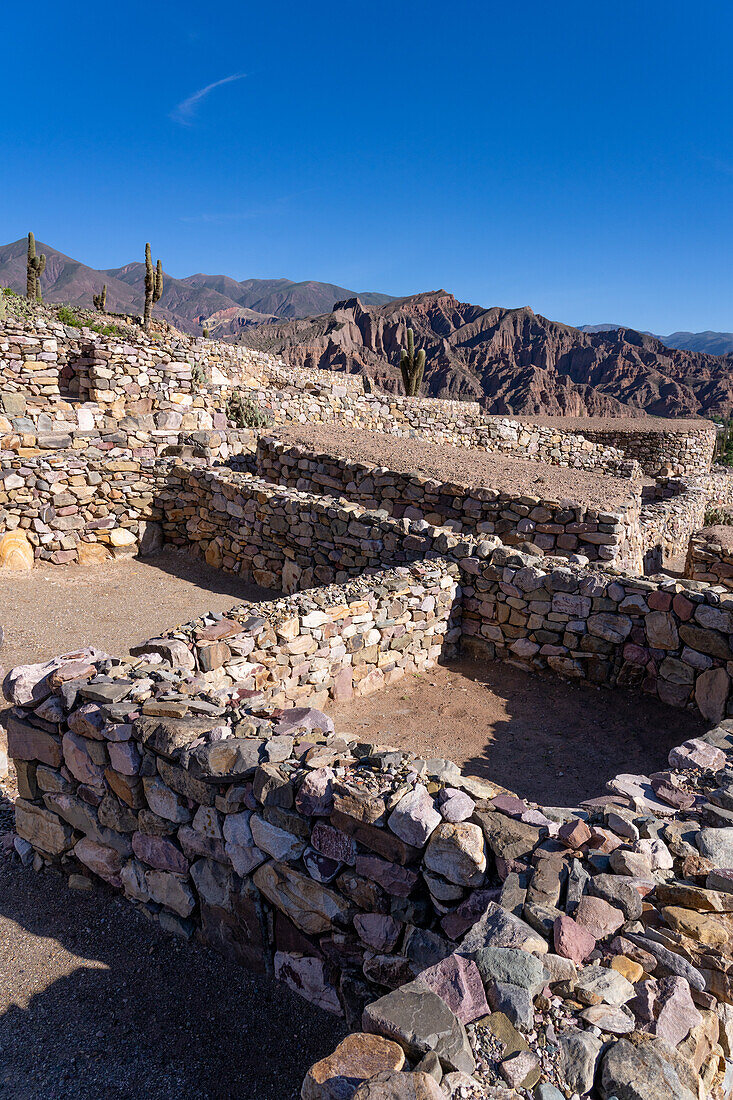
(709, 560)
(555, 526)
(478, 944)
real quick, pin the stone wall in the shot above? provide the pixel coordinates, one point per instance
(335, 642)
(427, 907)
(708, 561)
(555, 527)
(670, 451)
(668, 520)
(667, 638)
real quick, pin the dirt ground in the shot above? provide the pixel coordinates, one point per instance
(465, 465)
(96, 1002)
(549, 740)
(55, 609)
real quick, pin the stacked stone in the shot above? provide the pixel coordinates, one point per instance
(29, 363)
(708, 562)
(666, 524)
(670, 638)
(162, 433)
(69, 508)
(480, 942)
(285, 539)
(335, 642)
(689, 451)
(555, 527)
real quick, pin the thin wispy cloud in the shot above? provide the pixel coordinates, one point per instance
(185, 111)
(277, 205)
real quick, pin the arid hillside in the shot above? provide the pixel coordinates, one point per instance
(514, 359)
(216, 302)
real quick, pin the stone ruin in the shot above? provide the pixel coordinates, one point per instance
(476, 944)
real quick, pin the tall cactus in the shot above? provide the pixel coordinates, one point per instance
(153, 285)
(35, 267)
(100, 300)
(412, 365)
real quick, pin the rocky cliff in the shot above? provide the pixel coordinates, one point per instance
(513, 359)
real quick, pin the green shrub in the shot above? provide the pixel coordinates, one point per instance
(67, 316)
(243, 413)
(106, 330)
(8, 293)
(718, 515)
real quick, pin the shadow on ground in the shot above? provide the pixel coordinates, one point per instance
(96, 1002)
(549, 740)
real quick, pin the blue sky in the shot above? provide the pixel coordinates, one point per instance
(574, 157)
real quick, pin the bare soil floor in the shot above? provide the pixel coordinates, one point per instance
(97, 1002)
(54, 609)
(465, 466)
(551, 741)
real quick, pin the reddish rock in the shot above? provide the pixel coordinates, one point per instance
(574, 833)
(572, 941)
(79, 762)
(597, 917)
(160, 853)
(396, 880)
(457, 981)
(378, 931)
(333, 844)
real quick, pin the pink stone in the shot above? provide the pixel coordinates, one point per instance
(414, 817)
(696, 754)
(343, 686)
(104, 861)
(333, 843)
(87, 721)
(396, 880)
(509, 804)
(160, 853)
(572, 941)
(378, 931)
(667, 1008)
(27, 684)
(457, 981)
(517, 1067)
(455, 805)
(315, 797)
(124, 757)
(598, 917)
(659, 601)
(79, 762)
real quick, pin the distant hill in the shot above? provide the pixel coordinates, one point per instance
(513, 360)
(214, 301)
(714, 343)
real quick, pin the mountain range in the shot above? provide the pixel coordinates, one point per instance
(715, 343)
(512, 360)
(216, 302)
